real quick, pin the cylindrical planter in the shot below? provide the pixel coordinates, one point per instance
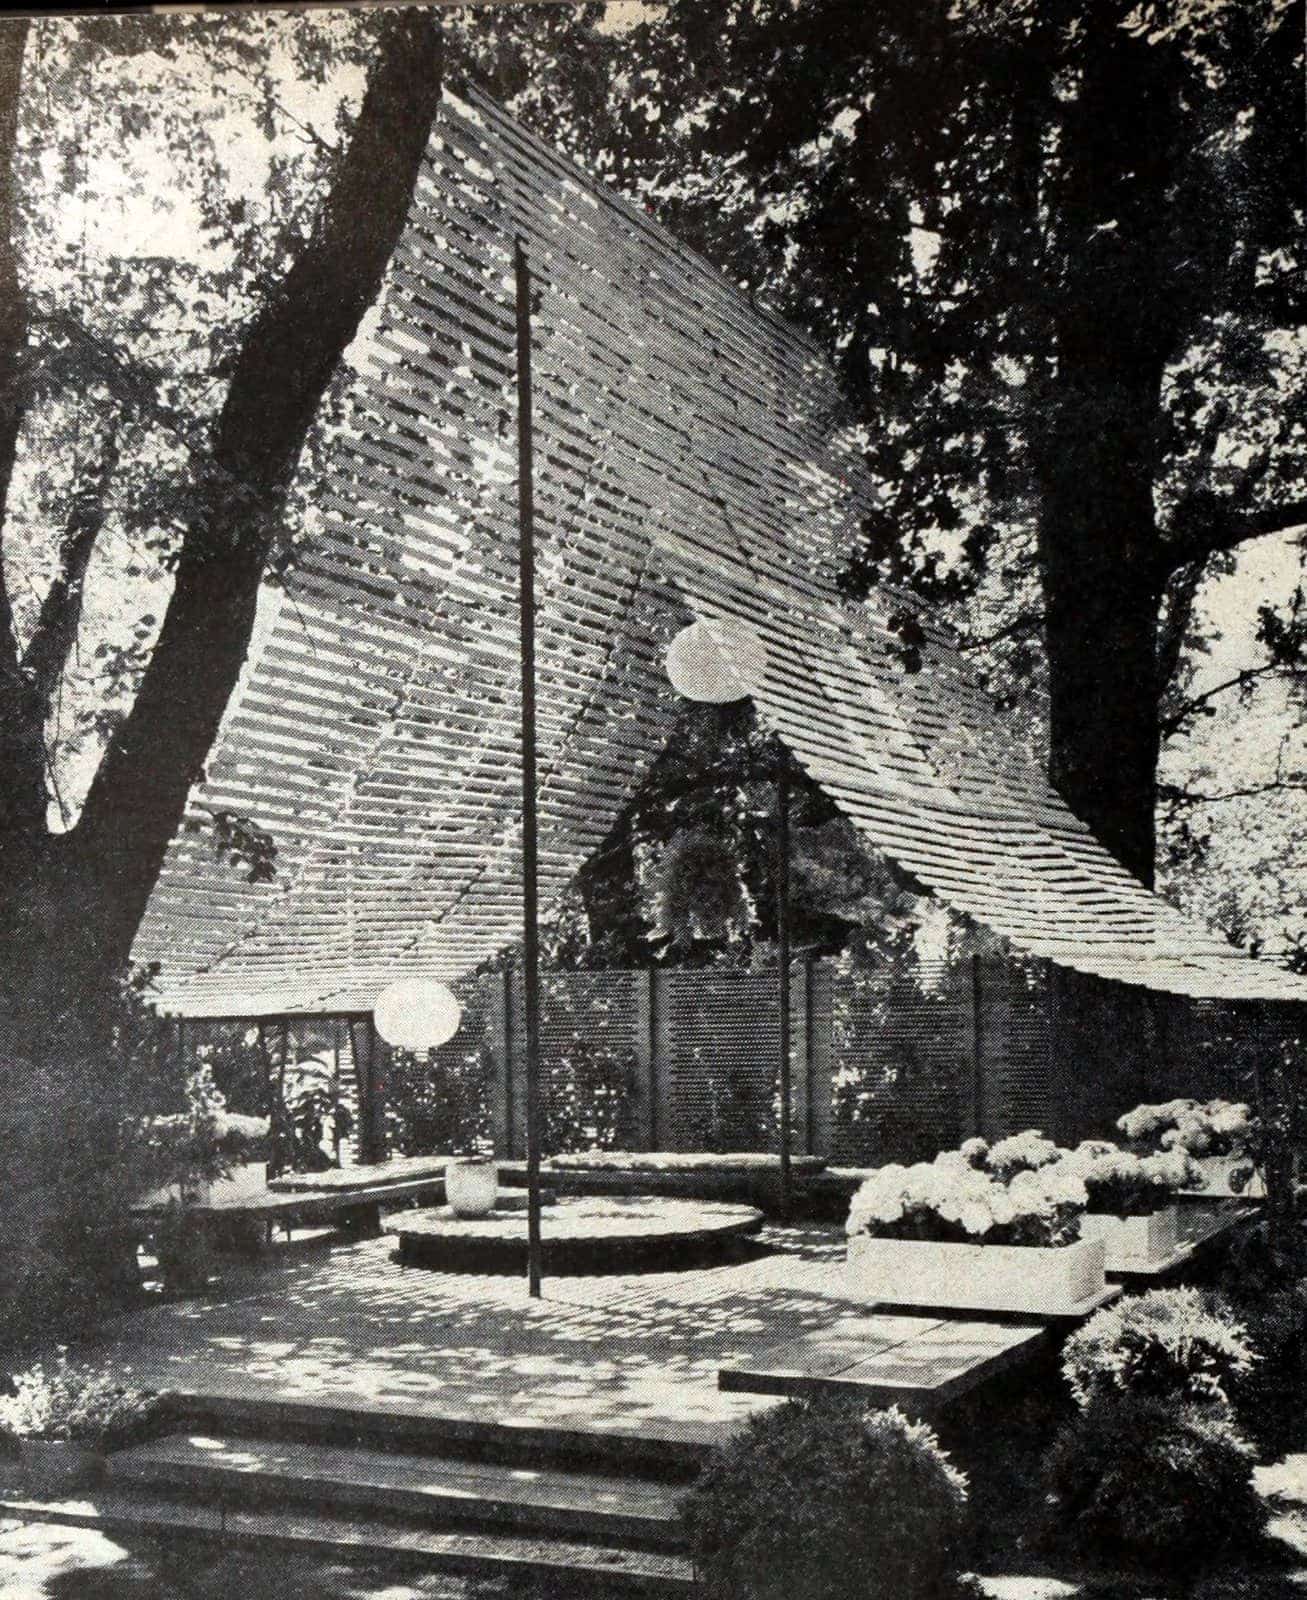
(1059, 1280)
(59, 1466)
(1134, 1241)
(471, 1185)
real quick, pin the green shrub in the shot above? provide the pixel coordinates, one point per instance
(1271, 1400)
(1176, 1344)
(84, 1405)
(1139, 1481)
(182, 1250)
(439, 1103)
(822, 1500)
(75, 1152)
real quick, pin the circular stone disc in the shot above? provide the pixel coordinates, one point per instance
(587, 1233)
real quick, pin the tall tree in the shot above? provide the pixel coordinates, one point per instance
(74, 895)
(1056, 250)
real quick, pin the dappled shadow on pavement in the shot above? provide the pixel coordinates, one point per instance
(41, 1561)
(616, 1351)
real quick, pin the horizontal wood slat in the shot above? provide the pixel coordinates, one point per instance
(693, 455)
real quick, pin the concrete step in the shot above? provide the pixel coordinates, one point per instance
(645, 1448)
(421, 1489)
(572, 1564)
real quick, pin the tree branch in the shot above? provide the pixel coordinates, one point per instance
(1172, 723)
(61, 610)
(287, 357)
(1172, 794)
(1171, 636)
(1212, 526)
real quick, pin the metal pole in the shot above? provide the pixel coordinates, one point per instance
(783, 957)
(530, 906)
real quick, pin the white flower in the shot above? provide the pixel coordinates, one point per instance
(975, 1217)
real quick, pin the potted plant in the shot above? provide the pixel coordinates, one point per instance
(66, 1421)
(1218, 1134)
(471, 1183)
(1132, 1200)
(951, 1232)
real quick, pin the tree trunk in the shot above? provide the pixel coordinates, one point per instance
(1116, 311)
(66, 928)
(1096, 539)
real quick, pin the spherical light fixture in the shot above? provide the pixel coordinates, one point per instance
(702, 670)
(416, 1014)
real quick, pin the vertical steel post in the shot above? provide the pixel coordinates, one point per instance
(530, 897)
(783, 957)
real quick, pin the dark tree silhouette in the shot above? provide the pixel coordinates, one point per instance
(1050, 246)
(73, 899)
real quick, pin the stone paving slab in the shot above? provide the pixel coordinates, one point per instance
(632, 1354)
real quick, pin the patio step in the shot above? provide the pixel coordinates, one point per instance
(645, 1447)
(444, 1490)
(573, 1563)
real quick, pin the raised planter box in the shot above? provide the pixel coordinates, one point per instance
(1062, 1281)
(1134, 1241)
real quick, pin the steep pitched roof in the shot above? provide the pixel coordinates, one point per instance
(690, 458)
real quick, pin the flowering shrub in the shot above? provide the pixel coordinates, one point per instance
(1173, 1344)
(822, 1500)
(1021, 1152)
(1127, 1185)
(80, 1404)
(1152, 1483)
(1216, 1128)
(951, 1201)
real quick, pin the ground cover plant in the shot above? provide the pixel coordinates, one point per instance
(822, 1499)
(82, 1405)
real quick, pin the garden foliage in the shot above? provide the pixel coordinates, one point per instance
(956, 1199)
(439, 1104)
(1174, 1345)
(821, 1500)
(83, 1405)
(1148, 1481)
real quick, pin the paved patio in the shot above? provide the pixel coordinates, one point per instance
(621, 1353)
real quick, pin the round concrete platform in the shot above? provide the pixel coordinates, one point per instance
(585, 1233)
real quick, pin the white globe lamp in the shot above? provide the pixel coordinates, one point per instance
(702, 671)
(416, 1014)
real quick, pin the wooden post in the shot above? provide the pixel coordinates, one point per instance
(274, 1121)
(646, 1045)
(977, 1050)
(499, 1003)
(335, 1088)
(530, 891)
(662, 1097)
(783, 959)
(283, 1055)
(809, 1061)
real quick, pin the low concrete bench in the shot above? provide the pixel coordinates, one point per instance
(231, 1221)
(744, 1179)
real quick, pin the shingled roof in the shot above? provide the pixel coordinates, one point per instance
(691, 458)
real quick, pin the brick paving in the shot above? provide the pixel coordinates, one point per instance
(622, 1353)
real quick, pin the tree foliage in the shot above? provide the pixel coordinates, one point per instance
(1055, 251)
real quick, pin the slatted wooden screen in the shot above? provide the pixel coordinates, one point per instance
(902, 1059)
(890, 1064)
(693, 454)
